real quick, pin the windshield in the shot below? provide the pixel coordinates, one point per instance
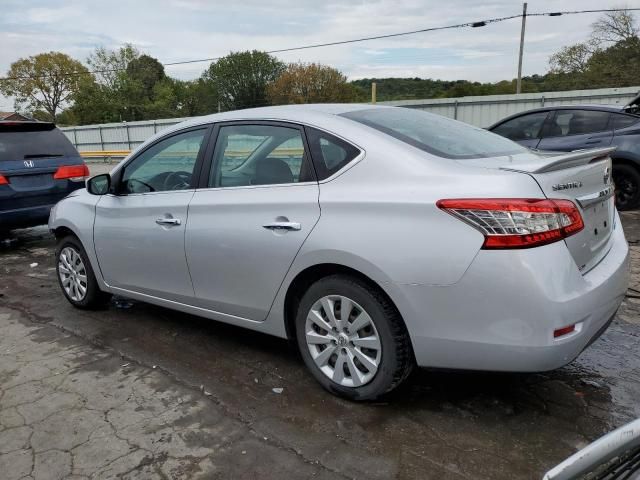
(436, 134)
(24, 142)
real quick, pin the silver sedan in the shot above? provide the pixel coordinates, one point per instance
(377, 238)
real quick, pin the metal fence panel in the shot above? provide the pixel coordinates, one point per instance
(481, 111)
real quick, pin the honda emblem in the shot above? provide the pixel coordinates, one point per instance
(28, 163)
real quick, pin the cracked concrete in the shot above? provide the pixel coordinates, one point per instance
(120, 393)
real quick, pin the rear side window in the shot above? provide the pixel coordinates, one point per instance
(577, 122)
(435, 134)
(20, 142)
(525, 127)
(329, 153)
(622, 121)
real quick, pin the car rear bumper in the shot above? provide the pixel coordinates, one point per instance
(502, 314)
(25, 217)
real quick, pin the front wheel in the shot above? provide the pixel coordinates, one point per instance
(76, 277)
(352, 338)
(627, 183)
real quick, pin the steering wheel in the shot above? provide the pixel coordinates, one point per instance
(177, 181)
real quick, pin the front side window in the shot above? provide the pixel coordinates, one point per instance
(329, 153)
(259, 155)
(167, 165)
(435, 134)
(576, 122)
(526, 127)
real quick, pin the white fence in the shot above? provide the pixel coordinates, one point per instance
(481, 111)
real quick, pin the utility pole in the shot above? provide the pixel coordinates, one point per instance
(524, 23)
(373, 92)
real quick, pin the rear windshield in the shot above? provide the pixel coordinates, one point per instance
(24, 142)
(436, 134)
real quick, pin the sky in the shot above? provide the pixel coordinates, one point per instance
(175, 30)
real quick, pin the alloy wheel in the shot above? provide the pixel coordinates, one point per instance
(343, 341)
(73, 274)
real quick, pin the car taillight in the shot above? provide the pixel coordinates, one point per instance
(72, 172)
(3, 180)
(516, 222)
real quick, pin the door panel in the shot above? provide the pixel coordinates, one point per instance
(135, 252)
(246, 227)
(237, 265)
(139, 231)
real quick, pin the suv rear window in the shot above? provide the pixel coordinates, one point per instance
(435, 134)
(19, 142)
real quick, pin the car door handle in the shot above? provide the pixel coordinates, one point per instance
(591, 142)
(283, 226)
(168, 221)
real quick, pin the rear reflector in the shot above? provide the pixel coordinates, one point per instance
(72, 172)
(3, 180)
(561, 332)
(517, 222)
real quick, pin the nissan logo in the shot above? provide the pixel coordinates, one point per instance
(28, 163)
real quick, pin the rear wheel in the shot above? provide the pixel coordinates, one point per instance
(352, 338)
(76, 277)
(627, 181)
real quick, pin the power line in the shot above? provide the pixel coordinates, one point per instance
(476, 24)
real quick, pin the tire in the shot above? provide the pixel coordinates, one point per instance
(338, 353)
(71, 253)
(627, 181)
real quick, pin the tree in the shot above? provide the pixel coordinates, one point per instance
(617, 65)
(310, 83)
(147, 71)
(47, 81)
(241, 78)
(108, 65)
(570, 59)
(614, 27)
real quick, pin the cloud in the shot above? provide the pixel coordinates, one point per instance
(174, 30)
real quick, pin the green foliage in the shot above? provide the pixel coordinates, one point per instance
(43, 82)
(241, 78)
(310, 83)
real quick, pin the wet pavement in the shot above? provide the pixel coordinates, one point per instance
(145, 392)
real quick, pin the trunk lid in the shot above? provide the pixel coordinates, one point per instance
(584, 177)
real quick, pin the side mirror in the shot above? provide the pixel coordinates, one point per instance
(99, 185)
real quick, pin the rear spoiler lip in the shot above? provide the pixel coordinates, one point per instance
(560, 161)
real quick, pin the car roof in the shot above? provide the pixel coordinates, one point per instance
(305, 114)
(593, 107)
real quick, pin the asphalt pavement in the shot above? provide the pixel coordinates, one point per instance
(137, 391)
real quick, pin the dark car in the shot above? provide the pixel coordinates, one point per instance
(566, 128)
(38, 167)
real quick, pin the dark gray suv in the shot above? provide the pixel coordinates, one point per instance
(575, 127)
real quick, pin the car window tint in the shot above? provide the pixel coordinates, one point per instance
(167, 165)
(435, 134)
(329, 153)
(577, 122)
(622, 121)
(259, 155)
(524, 127)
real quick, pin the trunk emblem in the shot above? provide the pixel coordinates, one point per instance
(607, 175)
(28, 163)
(566, 186)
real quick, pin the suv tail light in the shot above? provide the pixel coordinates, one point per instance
(517, 222)
(3, 180)
(72, 172)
